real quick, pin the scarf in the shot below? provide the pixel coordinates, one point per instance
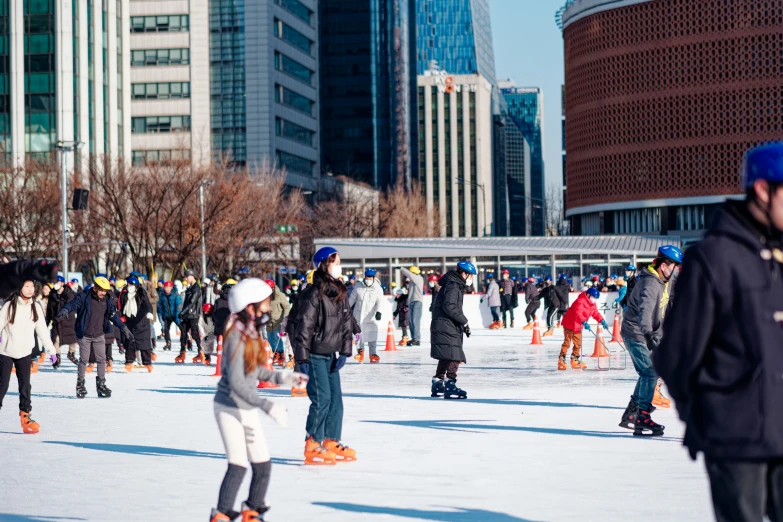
(131, 309)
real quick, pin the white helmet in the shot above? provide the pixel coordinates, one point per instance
(248, 291)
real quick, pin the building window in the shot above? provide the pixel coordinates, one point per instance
(294, 100)
(147, 157)
(294, 163)
(690, 217)
(643, 220)
(288, 34)
(293, 68)
(151, 57)
(161, 91)
(159, 124)
(292, 131)
(296, 8)
(160, 24)
(40, 106)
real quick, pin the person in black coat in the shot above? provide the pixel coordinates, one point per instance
(448, 325)
(401, 313)
(136, 311)
(721, 354)
(562, 289)
(189, 316)
(322, 341)
(551, 305)
(63, 329)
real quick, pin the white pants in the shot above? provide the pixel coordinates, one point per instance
(242, 435)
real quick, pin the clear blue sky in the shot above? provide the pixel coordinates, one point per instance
(529, 50)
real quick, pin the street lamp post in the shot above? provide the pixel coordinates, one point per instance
(483, 199)
(63, 147)
(203, 237)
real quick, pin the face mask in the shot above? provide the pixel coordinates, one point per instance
(261, 320)
(666, 276)
(432, 284)
(469, 281)
(369, 283)
(505, 276)
(57, 286)
(336, 271)
(131, 290)
(593, 300)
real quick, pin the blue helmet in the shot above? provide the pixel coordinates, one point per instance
(112, 279)
(100, 274)
(764, 162)
(60, 279)
(74, 280)
(514, 278)
(631, 268)
(670, 252)
(322, 255)
(593, 292)
(133, 281)
(467, 266)
(490, 276)
(548, 278)
(370, 272)
(135, 273)
(570, 281)
(614, 276)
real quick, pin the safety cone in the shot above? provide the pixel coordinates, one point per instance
(536, 334)
(616, 336)
(219, 357)
(390, 345)
(600, 347)
(268, 365)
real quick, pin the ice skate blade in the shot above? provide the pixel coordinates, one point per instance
(439, 395)
(320, 463)
(641, 433)
(346, 459)
(627, 425)
(455, 397)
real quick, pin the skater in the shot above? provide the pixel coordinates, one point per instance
(22, 319)
(188, 316)
(277, 316)
(136, 311)
(509, 297)
(207, 325)
(533, 300)
(415, 302)
(720, 355)
(432, 282)
(551, 306)
(236, 402)
(366, 303)
(493, 301)
(562, 289)
(152, 295)
(642, 330)
(448, 326)
(401, 314)
(169, 307)
(63, 329)
(630, 283)
(323, 329)
(95, 313)
(573, 321)
(221, 311)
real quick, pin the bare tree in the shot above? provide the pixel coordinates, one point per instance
(555, 213)
(404, 213)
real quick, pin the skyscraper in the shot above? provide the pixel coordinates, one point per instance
(525, 112)
(368, 90)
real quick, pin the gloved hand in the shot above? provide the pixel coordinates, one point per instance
(394, 315)
(62, 314)
(357, 337)
(296, 380)
(338, 363)
(279, 414)
(284, 323)
(466, 329)
(281, 334)
(149, 316)
(481, 301)
(53, 358)
(652, 341)
(606, 326)
(586, 326)
(377, 316)
(126, 333)
(304, 367)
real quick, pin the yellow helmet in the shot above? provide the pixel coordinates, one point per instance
(415, 270)
(119, 283)
(230, 281)
(102, 283)
(309, 276)
(394, 284)
(50, 285)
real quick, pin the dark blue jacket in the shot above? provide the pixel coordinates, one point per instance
(721, 355)
(82, 303)
(170, 305)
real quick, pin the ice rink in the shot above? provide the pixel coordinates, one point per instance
(529, 444)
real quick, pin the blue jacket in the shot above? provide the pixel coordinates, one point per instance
(82, 303)
(169, 306)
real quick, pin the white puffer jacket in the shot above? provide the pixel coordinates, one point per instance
(17, 339)
(366, 301)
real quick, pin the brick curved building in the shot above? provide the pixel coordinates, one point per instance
(663, 97)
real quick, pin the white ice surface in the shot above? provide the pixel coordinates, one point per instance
(530, 444)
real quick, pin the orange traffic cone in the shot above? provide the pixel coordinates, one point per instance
(269, 367)
(390, 344)
(536, 334)
(219, 357)
(600, 347)
(616, 335)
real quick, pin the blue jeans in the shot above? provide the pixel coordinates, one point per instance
(325, 420)
(275, 342)
(642, 361)
(495, 310)
(414, 311)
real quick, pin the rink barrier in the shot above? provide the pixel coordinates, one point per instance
(219, 359)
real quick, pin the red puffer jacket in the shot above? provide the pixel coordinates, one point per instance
(579, 312)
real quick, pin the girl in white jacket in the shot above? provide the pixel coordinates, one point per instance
(21, 319)
(366, 303)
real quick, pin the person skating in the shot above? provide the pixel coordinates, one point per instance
(189, 315)
(574, 320)
(237, 403)
(551, 305)
(278, 314)
(208, 326)
(401, 313)
(22, 319)
(493, 301)
(562, 289)
(720, 354)
(509, 297)
(169, 307)
(630, 282)
(150, 286)
(642, 330)
(95, 313)
(447, 328)
(64, 328)
(136, 310)
(415, 302)
(533, 300)
(432, 282)
(366, 304)
(322, 341)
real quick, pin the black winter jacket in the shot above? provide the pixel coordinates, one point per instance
(532, 294)
(191, 303)
(721, 355)
(322, 327)
(82, 305)
(139, 325)
(221, 313)
(448, 319)
(550, 297)
(66, 328)
(563, 289)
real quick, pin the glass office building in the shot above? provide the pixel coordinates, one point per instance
(368, 90)
(525, 112)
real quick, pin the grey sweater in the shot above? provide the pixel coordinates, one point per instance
(646, 308)
(237, 389)
(416, 291)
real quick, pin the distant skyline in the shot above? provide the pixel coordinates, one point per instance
(529, 50)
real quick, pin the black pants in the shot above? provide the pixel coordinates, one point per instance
(189, 325)
(530, 311)
(22, 376)
(447, 369)
(167, 329)
(508, 306)
(144, 347)
(745, 491)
